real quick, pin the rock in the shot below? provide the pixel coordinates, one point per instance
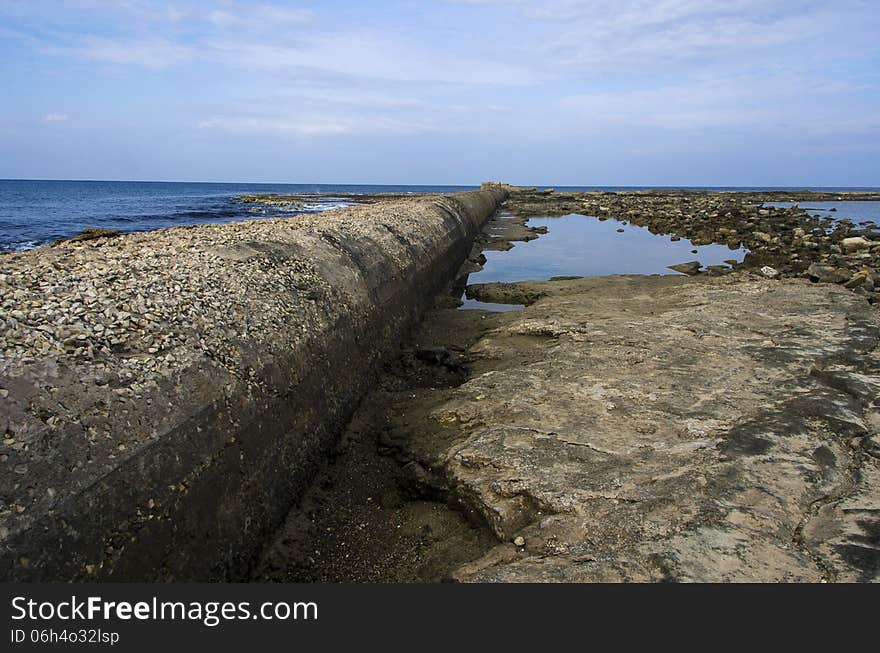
(826, 274)
(519, 540)
(861, 279)
(691, 268)
(854, 244)
(433, 355)
(717, 270)
(770, 273)
(701, 495)
(762, 237)
(91, 233)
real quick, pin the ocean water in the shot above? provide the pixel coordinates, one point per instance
(36, 212)
(33, 213)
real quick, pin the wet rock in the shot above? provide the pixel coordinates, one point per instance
(770, 273)
(692, 268)
(90, 233)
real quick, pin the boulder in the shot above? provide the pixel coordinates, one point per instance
(854, 244)
(827, 274)
(861, 279)
(691, 268)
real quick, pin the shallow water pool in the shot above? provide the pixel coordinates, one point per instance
(581, 246)
(576, 245)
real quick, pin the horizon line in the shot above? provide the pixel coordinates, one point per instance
(448, 185)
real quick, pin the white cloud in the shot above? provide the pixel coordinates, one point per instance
(55, 117)
(312, 125)
(260, 17)
(595, 37)
(367, 55)
(151, 53)
(734, 102)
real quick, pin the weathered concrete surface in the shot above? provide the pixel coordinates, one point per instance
(667, 428)
(164, 396)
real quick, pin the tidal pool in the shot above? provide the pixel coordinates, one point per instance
(582, 246)
(576, 245)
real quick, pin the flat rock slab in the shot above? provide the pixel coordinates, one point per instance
(672, 428)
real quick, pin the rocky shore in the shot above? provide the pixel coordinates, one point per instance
(709, 428)
(168, 396)
(791, 242)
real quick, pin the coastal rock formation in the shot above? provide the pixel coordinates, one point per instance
(164, 396)
(672, 428)
(791, 240)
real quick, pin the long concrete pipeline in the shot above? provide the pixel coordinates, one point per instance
(165, 397)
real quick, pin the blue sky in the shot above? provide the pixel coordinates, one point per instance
(564, 92)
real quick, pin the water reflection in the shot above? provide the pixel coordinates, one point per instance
(581, 246)
(577, 245)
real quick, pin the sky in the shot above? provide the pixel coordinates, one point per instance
(549, 92)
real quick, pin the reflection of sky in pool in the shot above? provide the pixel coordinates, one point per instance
(855, 211)
(488, 306)
(580, 246)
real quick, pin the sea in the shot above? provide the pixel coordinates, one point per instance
(36, 212)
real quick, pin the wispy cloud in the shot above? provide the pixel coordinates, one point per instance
(285, 124)
(510, 74)
(55, 117)
(153, 53)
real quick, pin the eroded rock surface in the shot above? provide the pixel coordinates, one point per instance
(666, 428)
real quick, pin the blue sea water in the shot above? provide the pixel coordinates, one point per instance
(36, 212)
